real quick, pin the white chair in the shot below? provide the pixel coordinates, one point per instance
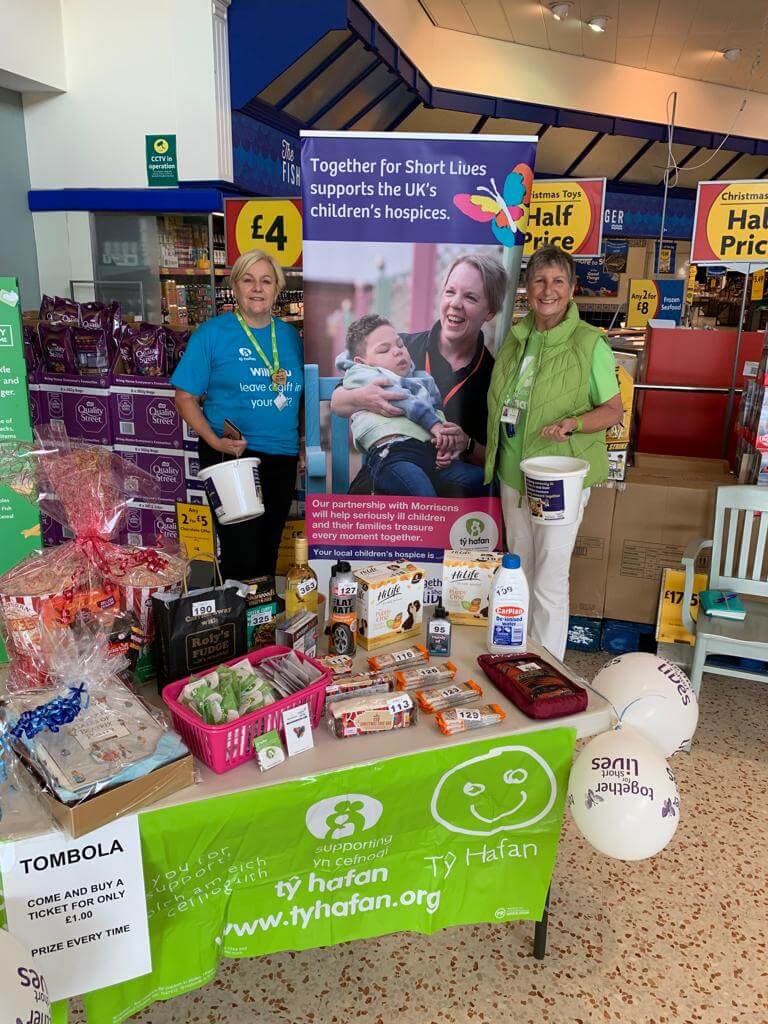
(738, 564)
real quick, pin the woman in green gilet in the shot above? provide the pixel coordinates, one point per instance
(553, 392)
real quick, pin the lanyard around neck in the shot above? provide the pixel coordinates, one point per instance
(457, 387)
(274, 366)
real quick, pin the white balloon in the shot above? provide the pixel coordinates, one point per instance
(24, 992)
(623, 795)
(653, 696)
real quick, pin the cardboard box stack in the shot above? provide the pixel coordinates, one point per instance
(589, 562)
(667, 501)
(752, 444)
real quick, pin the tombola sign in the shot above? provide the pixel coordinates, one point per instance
(731, 222)
(568, 213)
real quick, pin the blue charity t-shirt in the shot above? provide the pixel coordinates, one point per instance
(221, 364)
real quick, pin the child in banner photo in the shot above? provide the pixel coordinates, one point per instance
(408, 454)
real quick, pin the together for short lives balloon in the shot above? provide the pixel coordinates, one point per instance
(663, 707)
(623, 795)
(23, 992)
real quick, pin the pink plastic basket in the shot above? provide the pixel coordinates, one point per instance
(226, 746)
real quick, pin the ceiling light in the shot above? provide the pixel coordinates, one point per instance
(732, 54)
(599, 23)
(560, 11)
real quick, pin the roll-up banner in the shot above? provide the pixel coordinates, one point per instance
(407, 244)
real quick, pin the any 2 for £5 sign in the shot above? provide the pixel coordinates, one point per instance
(272, 225)
(731, 222)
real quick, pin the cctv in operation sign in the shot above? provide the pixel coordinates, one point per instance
(731, 222)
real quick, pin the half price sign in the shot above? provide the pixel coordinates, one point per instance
(731, 222)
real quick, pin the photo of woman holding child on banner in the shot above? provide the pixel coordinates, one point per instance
(416, 395)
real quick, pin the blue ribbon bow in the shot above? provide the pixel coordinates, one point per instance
(57, 712)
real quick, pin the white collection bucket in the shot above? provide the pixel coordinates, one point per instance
(553, 486)
(234, 490)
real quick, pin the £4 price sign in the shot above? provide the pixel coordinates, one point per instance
(272, 225)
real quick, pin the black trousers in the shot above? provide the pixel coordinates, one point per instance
(250, 549)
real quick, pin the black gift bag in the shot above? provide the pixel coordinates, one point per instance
(198, 629)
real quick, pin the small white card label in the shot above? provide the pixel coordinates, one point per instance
(203, 608)
(298, 730)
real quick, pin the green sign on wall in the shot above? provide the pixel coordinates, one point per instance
(162, 167)
(19, 519)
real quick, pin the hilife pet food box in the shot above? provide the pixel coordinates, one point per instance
(390, 603)
(467, 579)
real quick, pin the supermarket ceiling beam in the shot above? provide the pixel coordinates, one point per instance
(374, 36)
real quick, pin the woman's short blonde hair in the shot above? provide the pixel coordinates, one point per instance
(244, 262)
(491, 271)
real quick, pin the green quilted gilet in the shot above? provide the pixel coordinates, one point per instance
(560, 389)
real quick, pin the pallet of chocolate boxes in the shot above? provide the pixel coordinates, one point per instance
(106, 381)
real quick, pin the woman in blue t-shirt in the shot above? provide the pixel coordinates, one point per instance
(247, 367)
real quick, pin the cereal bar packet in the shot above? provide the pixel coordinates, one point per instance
(425, 675)
(437, 698)
(408, 656)
(454, 720)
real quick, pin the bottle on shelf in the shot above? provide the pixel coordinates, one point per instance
(508, 608)
(343, 611)
(439, 634)
(301, 582)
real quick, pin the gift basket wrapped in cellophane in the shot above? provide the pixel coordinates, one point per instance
(87, 732)
(85, 488)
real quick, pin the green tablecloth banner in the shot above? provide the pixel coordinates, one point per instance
(463, 835)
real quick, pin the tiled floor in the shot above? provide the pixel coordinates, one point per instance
(679, 939)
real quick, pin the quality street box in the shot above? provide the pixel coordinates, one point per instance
(191, 469)
(146, 523)
(143, 410)
(81, 409)
(145, 415)
(589, 562)
(165, 465)
(667, 502)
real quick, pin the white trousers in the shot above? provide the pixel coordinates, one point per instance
(545, 555)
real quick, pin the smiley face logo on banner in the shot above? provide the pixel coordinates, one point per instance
(505, 789)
